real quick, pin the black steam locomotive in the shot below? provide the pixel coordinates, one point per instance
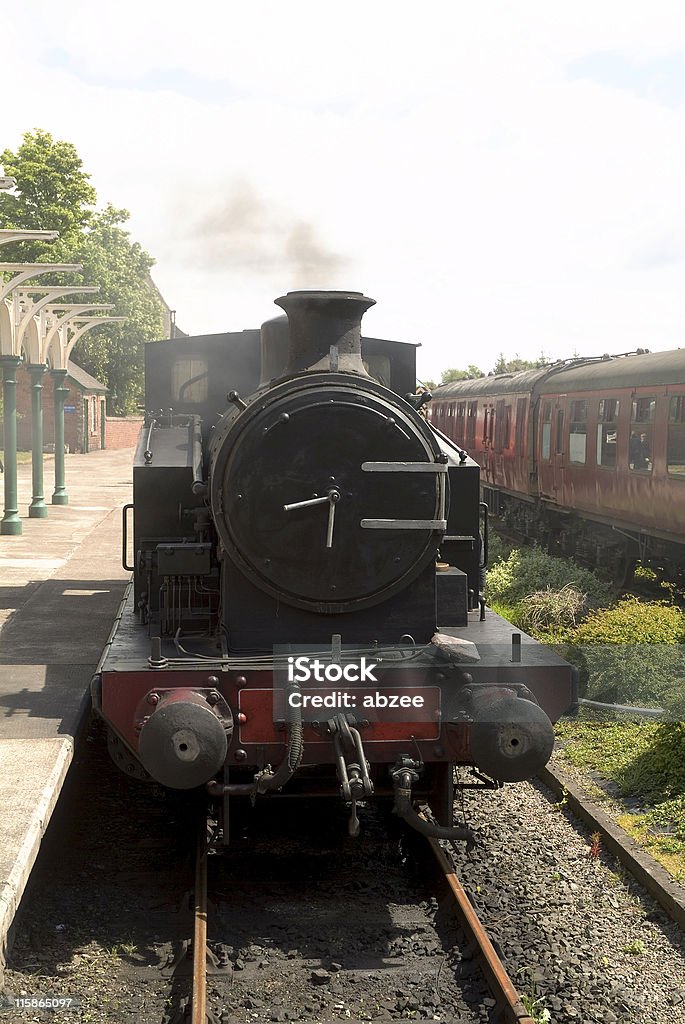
(304, 616)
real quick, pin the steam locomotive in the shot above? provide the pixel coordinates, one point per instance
(305, 615)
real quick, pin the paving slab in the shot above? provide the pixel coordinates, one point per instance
(61, 583)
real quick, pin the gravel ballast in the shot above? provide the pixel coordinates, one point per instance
(574, 931)
(310, 925)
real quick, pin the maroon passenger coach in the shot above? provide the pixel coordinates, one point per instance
(585, 457)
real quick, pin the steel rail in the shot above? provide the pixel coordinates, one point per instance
(199, 996)
(501, 985)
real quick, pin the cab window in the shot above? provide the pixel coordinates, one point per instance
(189, 381)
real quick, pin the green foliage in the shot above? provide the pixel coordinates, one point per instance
(533, 1003)
(656, 773)
(114, 353)
(550, 611)
(55, 193)
(647, 761)
(473, 372)
(667, 820)
(644, 574)
(516, 365)
(470, 373)
(526, 569)
(633, 653)
(498, 548)
(632, 621)
(605, 746)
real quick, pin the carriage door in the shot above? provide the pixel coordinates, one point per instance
(559, 452)
(520, 480)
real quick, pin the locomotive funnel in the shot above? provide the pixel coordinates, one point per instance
(511, 739)
(183, 744)
(325, 331)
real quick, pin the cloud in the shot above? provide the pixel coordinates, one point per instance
(659, 79)
(659, 252)
(450, 161)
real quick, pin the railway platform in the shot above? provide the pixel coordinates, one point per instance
(61, 584)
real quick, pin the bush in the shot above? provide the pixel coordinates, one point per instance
(657, 773)
(498, 548)
(633, 653)
(632, 621)
(526, 570)
(551, 612)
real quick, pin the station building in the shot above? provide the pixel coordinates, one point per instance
(86, 425)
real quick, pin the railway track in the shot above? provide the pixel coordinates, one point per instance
(507, 1004)
(198, 1011)
(308, 925)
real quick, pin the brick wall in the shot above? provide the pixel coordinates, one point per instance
(122, 431)
(82, 425)
(83, 412)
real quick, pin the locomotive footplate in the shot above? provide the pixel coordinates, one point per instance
(428, 712)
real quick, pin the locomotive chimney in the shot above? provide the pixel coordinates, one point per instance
(325, 331)
(274, 343)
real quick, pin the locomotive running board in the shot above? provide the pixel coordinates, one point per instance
(404, 467)
(403, 524)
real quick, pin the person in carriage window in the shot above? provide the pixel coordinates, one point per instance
(639, 453)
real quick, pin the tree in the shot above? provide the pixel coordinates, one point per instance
(470, 373)
(114, 353)
(54, 193)
(517, 364)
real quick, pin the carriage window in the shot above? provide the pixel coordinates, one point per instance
(640, 442)
(607, 428)
(506, 440)
(608, 410)
(560, 432)
(486, 423)
(643, 410)
(676, 436)
(577, 432)
(546, 431)
(521, 405)
(500, 427)
(471, 414)
(189, 380)
(459, 432)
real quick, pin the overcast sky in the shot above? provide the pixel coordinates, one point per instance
(499, 176)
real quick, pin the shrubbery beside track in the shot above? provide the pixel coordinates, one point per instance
(629, 651)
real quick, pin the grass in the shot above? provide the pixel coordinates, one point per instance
(21, 456)
(646, 760)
